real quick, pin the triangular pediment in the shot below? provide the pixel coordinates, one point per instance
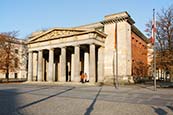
(54, 33)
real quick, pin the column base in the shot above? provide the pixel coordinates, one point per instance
(76, 79)
(92, 80)
(50, 81)
(40, 80)
(29, 80)
(62, 79)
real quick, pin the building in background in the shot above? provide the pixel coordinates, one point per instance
(105, 50)
(18, 65)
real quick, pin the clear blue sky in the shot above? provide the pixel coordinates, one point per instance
(27, 16)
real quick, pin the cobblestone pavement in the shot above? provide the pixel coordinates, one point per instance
(53, 99)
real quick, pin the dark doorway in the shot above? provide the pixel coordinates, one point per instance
(15, 75)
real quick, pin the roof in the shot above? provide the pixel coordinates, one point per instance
(11, 39)
(53, 29)
(118, 17)
(139, 33)
(91, 26)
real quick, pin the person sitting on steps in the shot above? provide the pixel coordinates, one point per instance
(82, 77)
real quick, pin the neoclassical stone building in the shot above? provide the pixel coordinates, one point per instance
(17, 66)
(103, 50)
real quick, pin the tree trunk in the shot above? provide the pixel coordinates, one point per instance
(7, 74)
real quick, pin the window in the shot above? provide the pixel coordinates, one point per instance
(15, 75)
(16, 63)
(16, 51)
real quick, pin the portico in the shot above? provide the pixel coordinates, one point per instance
(103, 50)
(59, 55)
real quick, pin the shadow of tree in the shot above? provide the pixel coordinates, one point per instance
(91, 107)
(24, 92)
(43, 99)
(159, 111)
(8, 102)
(149, 87)
(170, 107)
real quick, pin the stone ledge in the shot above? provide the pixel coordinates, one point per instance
(60, 83)
(122, 80)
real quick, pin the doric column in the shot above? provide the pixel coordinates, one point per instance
(44, 69)
(92, 65)
(54, 71)
(30, 66)
(51, 60)
(86, 64)
(63, 64)
(35, 66)
(69, 70)
(40, 65)
(72, 66)
(77, 64)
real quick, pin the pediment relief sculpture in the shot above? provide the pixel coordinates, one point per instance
(54, 34)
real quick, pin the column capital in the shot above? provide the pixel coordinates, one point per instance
(40, 50)
(63, 47)
(76, 45)
(51, 49)
(30, 51)
(92, 44)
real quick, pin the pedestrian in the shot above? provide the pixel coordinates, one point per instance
(82, 77)
(86, 77)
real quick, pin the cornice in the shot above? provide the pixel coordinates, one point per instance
(76, 34)
(139, 33)
(119, 17)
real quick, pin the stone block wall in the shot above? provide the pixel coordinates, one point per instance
(123, 49)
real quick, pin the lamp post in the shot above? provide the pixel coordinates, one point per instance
(154, 46)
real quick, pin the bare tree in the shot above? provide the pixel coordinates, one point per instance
(164, 38)
(9, 61)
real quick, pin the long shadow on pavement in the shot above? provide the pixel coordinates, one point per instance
(8, 102)
(170, 107)
(91, 107)
(149, 87)
(38, 101)
(18, 93)
(159, 111)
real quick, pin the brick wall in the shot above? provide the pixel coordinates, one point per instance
(139, 56)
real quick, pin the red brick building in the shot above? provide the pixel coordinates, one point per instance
(139, 53)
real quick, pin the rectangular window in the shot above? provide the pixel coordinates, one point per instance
(16, 63)
(15, 75)
(16, 51)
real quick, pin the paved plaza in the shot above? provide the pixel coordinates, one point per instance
(83, 99)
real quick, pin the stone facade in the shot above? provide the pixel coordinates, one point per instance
(20, 51)
(103, 50)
